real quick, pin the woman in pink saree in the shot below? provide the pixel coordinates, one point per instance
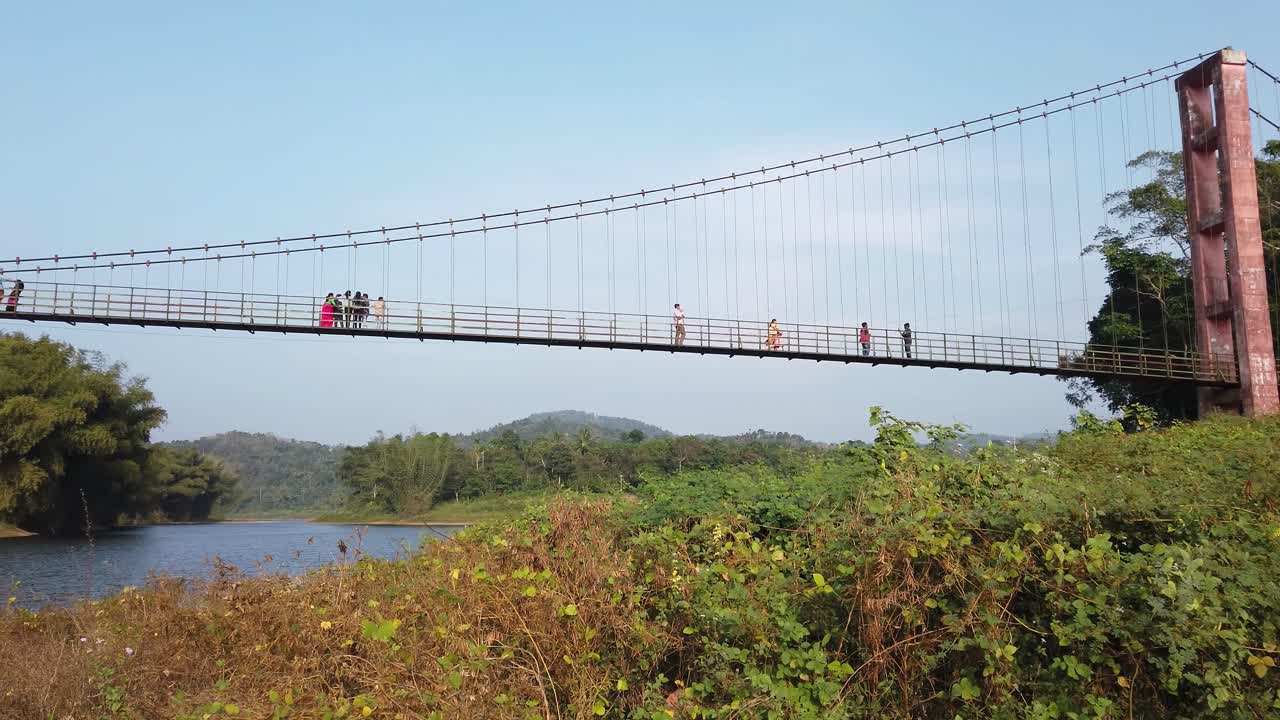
(326, 312)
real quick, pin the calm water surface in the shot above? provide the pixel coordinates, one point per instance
(62, 570)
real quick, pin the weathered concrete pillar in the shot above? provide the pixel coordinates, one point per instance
(1229, 282)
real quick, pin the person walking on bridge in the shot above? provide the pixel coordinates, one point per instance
(677, 320)
(905, 332)
(773, 338)
(11, 304)
(380, 313)
(864, 337)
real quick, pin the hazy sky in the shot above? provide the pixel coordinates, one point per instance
(133, 125)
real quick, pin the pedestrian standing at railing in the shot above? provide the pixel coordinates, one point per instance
(11, 304)
(864, 337)
(905, 332)
(380, 313)
(326, 311)
(362, 308)
(677, 319)
(354, 311)
(344, 304)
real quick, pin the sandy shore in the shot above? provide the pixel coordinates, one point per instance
(10, 532)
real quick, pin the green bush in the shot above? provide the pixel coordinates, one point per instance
(1102, 576)
(1110, 575)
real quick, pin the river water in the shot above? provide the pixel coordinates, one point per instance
(58, 571)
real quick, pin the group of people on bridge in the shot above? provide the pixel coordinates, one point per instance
(350, 311)
(773, 334)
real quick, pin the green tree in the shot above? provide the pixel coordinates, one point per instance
(1149, 299)
(399, 474)
(188, 485)
(73, 437)
(408, 474)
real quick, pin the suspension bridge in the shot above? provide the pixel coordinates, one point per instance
(965, 246)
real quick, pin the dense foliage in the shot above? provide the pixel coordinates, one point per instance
(74, 445)
(407, 475)
(1148, 277)
(1103, 576)
(277, 475)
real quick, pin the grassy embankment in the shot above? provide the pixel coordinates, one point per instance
(491, 508)
(1108, 576)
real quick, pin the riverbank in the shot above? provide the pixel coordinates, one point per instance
(490, 508)
(1087, 578)
(9, 531)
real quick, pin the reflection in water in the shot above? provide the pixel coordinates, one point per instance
(61, 570)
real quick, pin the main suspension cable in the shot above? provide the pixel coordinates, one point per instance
(644, 193)
(453, 231)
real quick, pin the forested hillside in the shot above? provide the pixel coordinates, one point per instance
(277, 475)
(569, 422)
(406, 475)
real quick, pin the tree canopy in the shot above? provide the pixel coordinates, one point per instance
(75, 444)
(1148, 261)
(409, 474)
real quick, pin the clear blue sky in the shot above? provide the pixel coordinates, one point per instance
(147, 124)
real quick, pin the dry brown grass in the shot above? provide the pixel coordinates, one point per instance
(543, 621)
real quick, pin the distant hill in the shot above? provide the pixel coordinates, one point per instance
(780, 438)
(972, 441)
(569, 423)
(277, 475)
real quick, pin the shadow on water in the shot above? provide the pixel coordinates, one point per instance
(61, 570)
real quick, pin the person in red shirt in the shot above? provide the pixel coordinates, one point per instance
(864, 337)
(11, 304)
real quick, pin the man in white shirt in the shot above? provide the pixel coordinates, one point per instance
(677, 319)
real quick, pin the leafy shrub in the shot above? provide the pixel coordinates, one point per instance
(1105, 576)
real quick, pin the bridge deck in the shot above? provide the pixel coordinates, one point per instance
(160, 307)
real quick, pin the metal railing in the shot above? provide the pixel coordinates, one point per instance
(72, 302)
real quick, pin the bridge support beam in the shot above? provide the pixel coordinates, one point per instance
(1229, 282)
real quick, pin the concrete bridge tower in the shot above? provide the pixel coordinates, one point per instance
(1229, 283)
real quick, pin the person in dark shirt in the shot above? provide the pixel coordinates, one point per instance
(361, 308)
